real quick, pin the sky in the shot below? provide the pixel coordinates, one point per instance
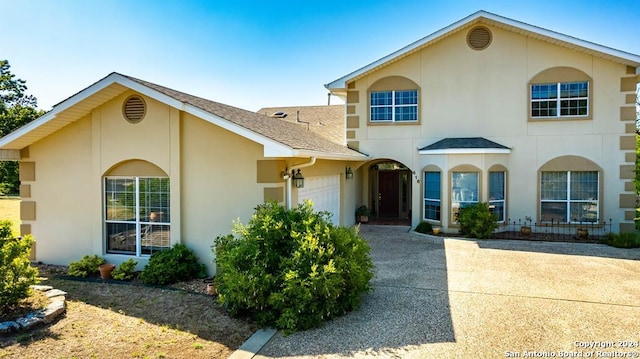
(255, 54)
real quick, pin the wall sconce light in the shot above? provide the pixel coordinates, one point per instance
(298, 180)
(286, 175)
(348, 173)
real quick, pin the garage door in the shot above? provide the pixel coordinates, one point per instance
(324, 192)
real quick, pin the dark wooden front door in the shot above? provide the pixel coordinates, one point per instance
(388, 185)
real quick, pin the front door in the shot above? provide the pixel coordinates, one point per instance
(388, 184)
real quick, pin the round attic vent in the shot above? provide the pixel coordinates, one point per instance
(479, 38)
(134, 109)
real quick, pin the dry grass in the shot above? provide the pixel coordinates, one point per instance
(10, 210)
(109, 320)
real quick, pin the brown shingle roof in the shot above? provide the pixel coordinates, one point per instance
(326, 121)
(285, 132)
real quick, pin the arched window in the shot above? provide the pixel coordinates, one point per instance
(570, 188)
(560, 93)
(498, 192)
(465, 188)
(137, 210)
(393, 99)
(432, 193)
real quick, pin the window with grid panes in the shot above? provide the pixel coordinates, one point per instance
(562, 99)
(394, 106)
(137, 215)
(569, 196)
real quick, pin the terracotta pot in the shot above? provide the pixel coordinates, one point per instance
(105, 270)
(582, 233)
(211, 289)
(525, 230)
(436, 231)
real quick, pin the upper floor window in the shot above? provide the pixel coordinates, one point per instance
(561, 99)
(394, 106)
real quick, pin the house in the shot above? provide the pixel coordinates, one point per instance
(489, 109)
(126, 167)
(538, 124)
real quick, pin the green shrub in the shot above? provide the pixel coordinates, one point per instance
(622, 240)
(424, 227)
(16, 272)
(291, 268)
(88, 265)
(477, 221)
(175, 264)
(125, 270)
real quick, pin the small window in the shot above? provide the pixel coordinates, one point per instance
(432, 192)
(497, 195)
(562, 99)
(394, 106)
(464, 191)
(570, 197)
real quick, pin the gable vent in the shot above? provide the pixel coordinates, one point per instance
(479, 38)
(134, 109)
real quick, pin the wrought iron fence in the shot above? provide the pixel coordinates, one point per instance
(591, 231)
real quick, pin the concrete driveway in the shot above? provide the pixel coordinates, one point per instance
(460, 298)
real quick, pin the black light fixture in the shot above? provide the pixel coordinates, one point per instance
(348, 173)
(298, 180)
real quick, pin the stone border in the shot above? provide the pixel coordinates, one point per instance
(57, 305)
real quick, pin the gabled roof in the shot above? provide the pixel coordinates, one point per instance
(501, 22)
(279, 138)
(463, 145)
(326, 121)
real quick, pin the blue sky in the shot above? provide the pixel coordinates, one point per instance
(254, 54)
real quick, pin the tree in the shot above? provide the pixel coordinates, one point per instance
(16, 110)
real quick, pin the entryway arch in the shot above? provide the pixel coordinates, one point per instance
(390, 191)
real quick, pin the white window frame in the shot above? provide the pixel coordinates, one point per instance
(393, 106)
(438, 200)
(568, 201)
(461, 202)
(504, 195)
(559, 99)
(139, 223)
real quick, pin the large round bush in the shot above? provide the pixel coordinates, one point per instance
(291, 269)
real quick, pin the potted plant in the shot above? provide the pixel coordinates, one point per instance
(582, 233)
(525, 229)
(105, 270)
(362, 214)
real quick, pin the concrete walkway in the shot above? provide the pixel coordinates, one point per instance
(459, 298)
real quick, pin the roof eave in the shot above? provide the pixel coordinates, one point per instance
(332, 155)
(624, 57)
(466, 151)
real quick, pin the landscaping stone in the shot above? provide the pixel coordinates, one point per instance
(55, 293)
(8, 328)
(57, 305)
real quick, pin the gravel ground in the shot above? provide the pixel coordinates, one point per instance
(458, 298)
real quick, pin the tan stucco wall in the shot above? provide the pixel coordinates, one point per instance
(218, 183)
(63, 227)
(216, 177)
(468, 93)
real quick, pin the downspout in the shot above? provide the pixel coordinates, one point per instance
(290, 170)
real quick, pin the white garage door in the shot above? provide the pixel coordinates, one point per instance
(324, 192)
